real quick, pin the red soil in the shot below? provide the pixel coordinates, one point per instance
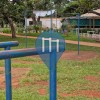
(87, 93)
(84, 55)
(42, 91)
(17, 74)
(92, 78)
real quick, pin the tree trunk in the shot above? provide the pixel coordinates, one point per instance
(34, 19)
(2, 24)
(12, 27)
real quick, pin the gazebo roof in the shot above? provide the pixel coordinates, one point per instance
(98, 11)
(89, 15)
(93, 14)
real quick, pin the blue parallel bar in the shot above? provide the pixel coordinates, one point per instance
(8, 77)
(28, 52)
(17, 53)
(7, 46)
(10, 44)
(53, 80)
(22, 53)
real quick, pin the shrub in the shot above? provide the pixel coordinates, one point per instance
(6, 30)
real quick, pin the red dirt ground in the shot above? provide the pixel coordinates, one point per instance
(87, 93)
(18, 73)
(92, 78)
(42, 83)
(42, 91)
(84, 55)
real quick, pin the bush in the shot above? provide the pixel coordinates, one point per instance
(20, 30)
(37, 28)
(6, 30)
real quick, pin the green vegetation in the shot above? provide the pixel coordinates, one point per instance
(13, 12)
(70, 75)
(74, 36)
(69, 36)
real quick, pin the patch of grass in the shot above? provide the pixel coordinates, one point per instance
(71, 35)
(70, 75)
(74, 47)
(74, 37)
(28, 93)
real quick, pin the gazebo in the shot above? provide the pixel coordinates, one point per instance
(93, 15)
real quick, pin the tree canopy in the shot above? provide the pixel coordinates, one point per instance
(13, 10)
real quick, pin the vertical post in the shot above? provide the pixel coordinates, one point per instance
(53, 82)
(25, 27)
(78, 34)
(53, 76)
(51, 19)
(56, 20)
(8, 77)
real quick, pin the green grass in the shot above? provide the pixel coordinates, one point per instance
(31, 43)
(74, 37)
(70, 36)
(70, 74)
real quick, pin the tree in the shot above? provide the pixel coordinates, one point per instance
(10, 12)
(82, 6)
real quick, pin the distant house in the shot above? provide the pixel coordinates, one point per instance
(46, 19)
(46, 22)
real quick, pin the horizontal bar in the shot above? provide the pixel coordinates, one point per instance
(17, 53)
(9, 43)
(24, 52)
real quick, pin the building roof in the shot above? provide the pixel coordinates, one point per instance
(94, 14)
(43, 13)
(98, 10)
(89, 15)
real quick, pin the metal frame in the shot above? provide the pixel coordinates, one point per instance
(8, 54)
(7, 46)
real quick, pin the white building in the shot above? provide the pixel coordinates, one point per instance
(46, 22)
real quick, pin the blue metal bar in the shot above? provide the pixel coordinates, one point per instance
(28, 52)
(10, 44)
(51, 19)
(26, 39)
(8, 77)
(53, 89)
(78, 34)
(23, 52)
(6, 46)
(17, 53)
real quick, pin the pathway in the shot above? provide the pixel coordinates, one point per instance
(67, 41)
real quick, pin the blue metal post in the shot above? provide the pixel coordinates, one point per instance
(27, 52)
(51, 19)
(26, 40)
(53, 80)
(8, 77)
(6, 46)
(78, 34)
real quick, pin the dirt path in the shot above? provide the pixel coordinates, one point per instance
(17, 75)
(67, 41)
